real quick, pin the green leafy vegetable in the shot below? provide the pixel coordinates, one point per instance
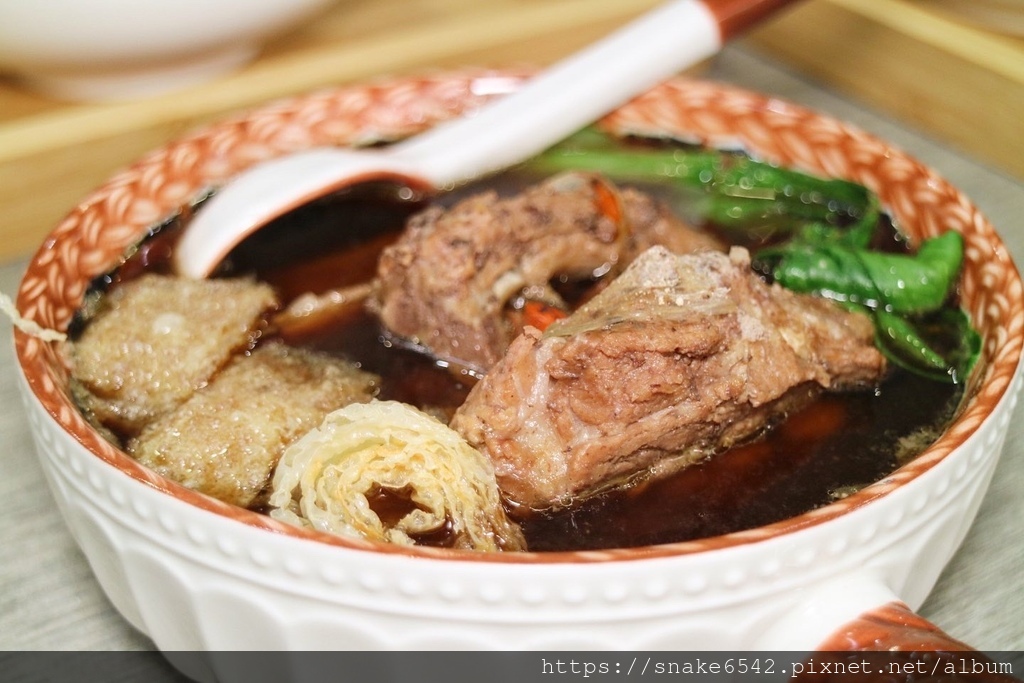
(909, 343)
(739, 194)
(898, 283)
(811, 235)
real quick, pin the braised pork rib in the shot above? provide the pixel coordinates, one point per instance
(445, 283)
(679, 358)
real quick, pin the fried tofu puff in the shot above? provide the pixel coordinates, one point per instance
(389, 472)
(226, 439)
(155, 340)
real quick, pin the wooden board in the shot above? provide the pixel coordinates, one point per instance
(53, 153)
(964, 84)
(912, 59)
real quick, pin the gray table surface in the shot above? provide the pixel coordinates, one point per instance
(50, 601)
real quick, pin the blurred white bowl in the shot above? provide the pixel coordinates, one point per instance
(119, 49)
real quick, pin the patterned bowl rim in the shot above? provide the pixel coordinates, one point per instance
(117, 214)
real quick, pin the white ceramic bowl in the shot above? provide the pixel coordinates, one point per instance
(196, 574)
(117, 49)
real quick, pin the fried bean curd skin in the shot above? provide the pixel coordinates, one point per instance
(155, 340)
(386, 471)
(226, 439)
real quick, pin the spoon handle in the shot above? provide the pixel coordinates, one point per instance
(549, 107)
(736, 16)
(580, 89)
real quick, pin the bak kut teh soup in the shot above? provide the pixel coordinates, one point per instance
(621, 320)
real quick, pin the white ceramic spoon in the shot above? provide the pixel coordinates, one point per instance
(551, 106)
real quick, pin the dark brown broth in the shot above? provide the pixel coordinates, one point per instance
(837, 445)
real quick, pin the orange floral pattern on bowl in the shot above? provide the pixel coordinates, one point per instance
(93, 237)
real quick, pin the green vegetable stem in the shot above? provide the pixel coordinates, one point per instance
(752, 199)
